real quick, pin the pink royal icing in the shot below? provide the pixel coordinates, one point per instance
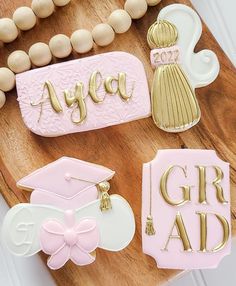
(66, 183)
(111, 108)
(69, 241)
(165, 56)
(165, 180)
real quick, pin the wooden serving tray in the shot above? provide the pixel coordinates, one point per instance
(122, 148)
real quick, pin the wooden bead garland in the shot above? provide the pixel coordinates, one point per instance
(120, 21)
(60, 46)
(40, 54)
(2, 98)
(61, 3)
(19, 61)
(8, 30)
(82, 41)
(103, 34)
(43, 8)
(7, 79)
(24, 18)
(136, 8)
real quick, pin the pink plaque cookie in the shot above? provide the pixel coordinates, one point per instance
(186, 220)
(84, 94)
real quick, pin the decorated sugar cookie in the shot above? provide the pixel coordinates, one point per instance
(186, 222)
(66, 183)
(84, 94)
(61, 221)
(178, 70)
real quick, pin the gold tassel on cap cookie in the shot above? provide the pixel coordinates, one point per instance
(103, 186)
(105, 203)
(174, 104)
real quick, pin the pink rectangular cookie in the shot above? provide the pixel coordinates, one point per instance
(84, 94)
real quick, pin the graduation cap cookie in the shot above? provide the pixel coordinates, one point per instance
(67, 183)
(70, 214)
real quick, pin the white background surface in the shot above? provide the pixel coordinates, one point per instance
(220, 17)
(224, 275)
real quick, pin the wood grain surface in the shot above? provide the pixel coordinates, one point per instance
(123, 148)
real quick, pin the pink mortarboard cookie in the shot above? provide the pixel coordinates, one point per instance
(67, 183)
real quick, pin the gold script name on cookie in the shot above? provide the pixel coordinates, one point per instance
(112, 85)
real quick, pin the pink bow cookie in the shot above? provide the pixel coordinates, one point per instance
(71, 240)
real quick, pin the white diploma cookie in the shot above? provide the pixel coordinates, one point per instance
(22, 223)
(84, 94)
(178, 69)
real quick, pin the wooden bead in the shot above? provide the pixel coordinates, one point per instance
(7, 79)
(8, 30)
(43, 8)
(103, 34)
(40, 54)
(24, 18)
(61, 3)
(82, 41)
(136, 8)
(60, 46)
(2, 98)
(120, 21)
(19, 61)
(153, 2)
